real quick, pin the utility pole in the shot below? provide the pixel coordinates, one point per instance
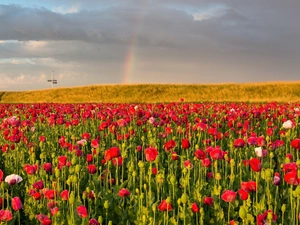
(52, 80)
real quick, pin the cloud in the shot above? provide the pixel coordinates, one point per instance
(63, 10)
(21, 80)
(186, 41)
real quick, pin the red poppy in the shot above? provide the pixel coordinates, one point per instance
(290, 167)
(187, 164)
(170, 145)
(228, 196)
(47, 167)
(261, 219)
(16, 203)
(82, 211)
(95, 143)
(5, 215)
(54, 210)
(30, 169)
(51, 204)
(185, 143)
(239, 143)
(38, 185)
(124, 192)
(255, 164)
(1, 175)
(89, 158)
(50, 194)
(243, 194)
(118, 161)
(62, 161)
(93, 221)
(195, 207)
(200, 154)
(175, 156)
(154, 170)
(292, 178)
(208, 201)
(86, 136)
(296, 143)
(151, 154)
(249, 186)
(164, 206)
(216, 154)
(111, 153)
(92, 168)
(45, 220)
(206, 162)
(37, 195)
(64, 195)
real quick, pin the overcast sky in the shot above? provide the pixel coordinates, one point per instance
(85, 42)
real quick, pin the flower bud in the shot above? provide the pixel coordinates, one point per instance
(179, 201)
(268, 174)
(270, 216)
(77, 168)
(141, 164)
(184, 198)
(74, 179)
(100, 219)
(283, 208)
(168, 200)
(172, 179)
(142, 196)
(218, 176)
(134, 173)
(106, 204)
(72, 198)
(232, 162)
(154, 208)
(243, 213)
(57, 173)
(84, 195)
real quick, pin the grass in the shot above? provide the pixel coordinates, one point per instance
(248, 92)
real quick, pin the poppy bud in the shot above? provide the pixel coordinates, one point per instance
(100, 219)
(270, 216)
(57, 173)
(184, 198)
(72, 198)
(243, 213)
(141, 164)
(268, 174)
(106, 204)
(172, 179)
(283, 208)
(77, 168)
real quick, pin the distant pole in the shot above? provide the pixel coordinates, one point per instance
(52, 80)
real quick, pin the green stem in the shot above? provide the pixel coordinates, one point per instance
(228, 213)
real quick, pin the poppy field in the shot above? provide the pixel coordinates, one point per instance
(158, 164)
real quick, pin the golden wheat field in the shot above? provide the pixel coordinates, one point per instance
(233, 92)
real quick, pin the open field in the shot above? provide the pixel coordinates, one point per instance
(157, 164)
(249, 92)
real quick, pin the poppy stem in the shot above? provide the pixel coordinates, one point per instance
(229, 213)
(256, 193)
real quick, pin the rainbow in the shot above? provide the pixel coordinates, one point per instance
(130, 59)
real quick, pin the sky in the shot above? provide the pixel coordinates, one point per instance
(91, 42)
